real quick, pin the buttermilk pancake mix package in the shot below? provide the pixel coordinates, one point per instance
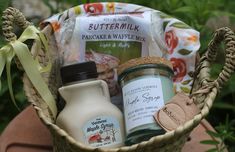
(113, 33)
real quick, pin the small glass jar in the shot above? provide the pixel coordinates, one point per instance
(146, 86)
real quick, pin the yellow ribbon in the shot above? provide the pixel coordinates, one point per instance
(31, 66)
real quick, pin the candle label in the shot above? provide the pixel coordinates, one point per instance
(142, 97)
(102, 131)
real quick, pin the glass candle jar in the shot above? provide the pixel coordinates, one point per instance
(146, 86)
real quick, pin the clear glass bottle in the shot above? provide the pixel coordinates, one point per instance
(89, 116)
(146, 86)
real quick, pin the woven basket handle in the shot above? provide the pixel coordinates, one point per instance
(10, 17)
(227, 36)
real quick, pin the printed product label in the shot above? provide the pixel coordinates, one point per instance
(124, 36)
(102, 131)
(142, 98)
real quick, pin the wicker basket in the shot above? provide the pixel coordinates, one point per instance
(204, 92)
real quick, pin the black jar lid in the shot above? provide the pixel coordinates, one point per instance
(78, 72)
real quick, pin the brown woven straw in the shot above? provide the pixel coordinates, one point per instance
(204, 92)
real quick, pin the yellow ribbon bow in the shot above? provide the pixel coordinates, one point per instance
(31, 66)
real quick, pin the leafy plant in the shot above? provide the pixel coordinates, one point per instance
(7, 109)
(3, 6)
(194, 13)
(225, 133)
(197, 14)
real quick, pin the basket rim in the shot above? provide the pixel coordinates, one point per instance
(222, 34)
(183, 129)
(187, 127)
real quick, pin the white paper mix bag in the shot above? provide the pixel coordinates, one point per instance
(112, 33)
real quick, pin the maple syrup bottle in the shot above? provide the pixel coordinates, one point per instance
(89, 116)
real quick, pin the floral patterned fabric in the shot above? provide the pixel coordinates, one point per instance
(177, 41)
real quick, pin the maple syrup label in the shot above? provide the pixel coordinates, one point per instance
(102, 131)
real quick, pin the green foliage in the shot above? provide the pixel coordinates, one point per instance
(3, 6)
(7, 109)
(196, 14)
(225, 133)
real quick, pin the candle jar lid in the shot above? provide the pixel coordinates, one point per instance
(143, 61)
